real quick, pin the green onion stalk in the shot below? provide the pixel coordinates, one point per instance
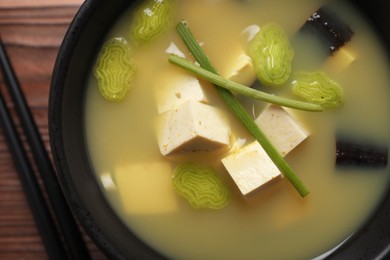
(237, 109)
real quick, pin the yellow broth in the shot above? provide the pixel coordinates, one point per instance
(274, 222)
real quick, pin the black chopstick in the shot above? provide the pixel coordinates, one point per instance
(72, 238)
(35, 199)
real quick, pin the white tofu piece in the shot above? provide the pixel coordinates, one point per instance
(237, 144)
(250, 32)
(241, 70)
(281, 129)
(176, 88)
(192, 126)
(251, 168)
(341, 59)
(107, 182)
(173, 49)
(146, 188)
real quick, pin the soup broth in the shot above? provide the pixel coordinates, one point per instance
(273, 222)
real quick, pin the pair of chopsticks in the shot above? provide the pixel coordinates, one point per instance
(57, 227)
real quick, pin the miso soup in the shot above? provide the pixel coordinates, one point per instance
(274, 221)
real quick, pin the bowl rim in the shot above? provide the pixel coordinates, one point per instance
(60, 149)
(59, 76)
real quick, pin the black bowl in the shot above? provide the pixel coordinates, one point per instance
(69, 149)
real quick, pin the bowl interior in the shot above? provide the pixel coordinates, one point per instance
(70, 152)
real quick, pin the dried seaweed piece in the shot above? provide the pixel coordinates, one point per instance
(352, 154)
(115, 69)
(329, 28)
(200, 186)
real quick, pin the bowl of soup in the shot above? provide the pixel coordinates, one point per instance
(162, 153)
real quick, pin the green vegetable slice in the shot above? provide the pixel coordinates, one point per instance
(200, 186)
(272, 55)
(151, 20)
(318, 88)
(115, 69)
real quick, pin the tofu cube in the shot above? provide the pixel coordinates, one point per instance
(173, 49)
(146, 188)
(341, 59)
(107, 182)
(192, 126)
(250, 32)
(281, 129)
(175, 88)
(250, 168)
(241, 70)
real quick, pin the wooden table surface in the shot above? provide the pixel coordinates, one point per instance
(32, 31)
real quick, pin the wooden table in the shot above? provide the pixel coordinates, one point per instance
(32, 31)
